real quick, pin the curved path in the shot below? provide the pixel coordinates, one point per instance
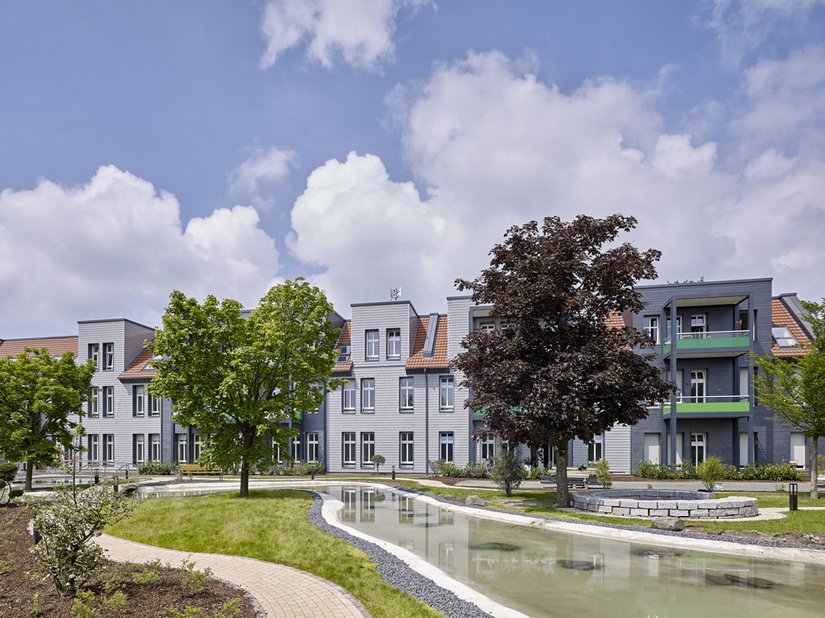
(280, 590)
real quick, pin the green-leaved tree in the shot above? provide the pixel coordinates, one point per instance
(794, 388)
(240, 379)
(38, 394)
(558, 371)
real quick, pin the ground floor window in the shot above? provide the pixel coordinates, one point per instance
(92, 448)
(183, 443)
(139, 448)
(697, 448)
(446, 441)
(488, 445)
(154, 447)
(595, 449)
(367, 448)
(276, 451)
(296, 448)
(406, 443)
(348, 453)
(197, 447)
(109, 447)
(312, 446)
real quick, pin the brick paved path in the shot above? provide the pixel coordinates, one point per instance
(282, 591)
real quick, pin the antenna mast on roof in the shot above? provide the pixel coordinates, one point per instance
(395, 294)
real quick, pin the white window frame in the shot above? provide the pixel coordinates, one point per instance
(487, 445)
(406, 444)
(94, 354)
(108, 356)
(698, 444)
(367, 448)
(197, 446)
(699, 321)
(367, 395)
(406, 393)
(139, 397)
(348, 396)
(348, 449)
(446, 393)
(295, 448)
(182, 447)
(651, 327)
(371, 345)
(93, 446)
(446, 445)
(155, 406)
(94, 403)
(698, 378)
(487, 326)
(109, 401)
(312, 446)
(139, 446)
(393, 344)
(109, 448)
(155, 452)
(595, 448)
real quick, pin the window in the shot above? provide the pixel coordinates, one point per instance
(372, 345)
(595, 449)
(108, 448)
(139, 448)
(108, 356)
(276, 451)
(697, 448)
(154, 447)
(348, 452)
(488, 445)
(94, 354)
(94, 401)
(652, 327)
(182, 448)
(197, 446)
(367, 448)
(139, 397)
(406, 441)
(698, 324)
(393, 344)
(109, 401)
(312, 446)
(487, 327)
(447, 393)
(344, 352)
(156, 406)
(678, 325)
(679, 384)
(367, 394)
(507, 325)
(783, 337)
(446, 440)
(92, 446)
(348, 396)
(405, 394)
(697, 386)
(296, 448)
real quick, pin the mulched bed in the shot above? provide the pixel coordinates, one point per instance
(174, 590)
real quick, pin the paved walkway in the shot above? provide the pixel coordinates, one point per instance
(282, 591)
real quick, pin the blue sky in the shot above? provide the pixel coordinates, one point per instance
(217, 147)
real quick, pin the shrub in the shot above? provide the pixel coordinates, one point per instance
(602, 468)
(478, 470)
(231, 608)
(66, 525)
(7, 472)
(450, 470)
(711, 471)
(507, 471)
(15, 493)
(378, 460)
(37, 605)
(83, 605)
(315, 467)
(187, 612)
(116, 603)
(155, 468)
(192, 580)
(437, 467)
(149, 574)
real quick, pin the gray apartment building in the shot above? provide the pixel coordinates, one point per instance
(401, 399)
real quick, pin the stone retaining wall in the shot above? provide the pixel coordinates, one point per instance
(656, 503)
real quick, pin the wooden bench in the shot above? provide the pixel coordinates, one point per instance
(192, 469)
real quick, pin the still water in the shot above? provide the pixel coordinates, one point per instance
(543, 573)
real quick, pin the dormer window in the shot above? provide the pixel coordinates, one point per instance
(394, 343)
(344, 353)
(783, 337)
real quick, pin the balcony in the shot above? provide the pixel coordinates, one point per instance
(718, 406)
(709, 343)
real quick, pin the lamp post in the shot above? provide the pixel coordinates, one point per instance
(793, 497)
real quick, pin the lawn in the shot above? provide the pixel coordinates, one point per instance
(271, 526)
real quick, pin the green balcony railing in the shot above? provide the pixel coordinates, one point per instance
(711, 404)
(711, 340)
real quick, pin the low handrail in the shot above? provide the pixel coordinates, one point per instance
(705, 398)
(711, 334)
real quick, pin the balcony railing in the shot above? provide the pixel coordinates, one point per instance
(710, 404)
(708, 340)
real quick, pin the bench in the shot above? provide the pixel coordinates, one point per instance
(192, 469)
(574, 480)
(820, 481)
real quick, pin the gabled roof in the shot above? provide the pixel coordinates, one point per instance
(56, 346)
(417, 360)
(781, 315)
(615, 320)
(138, 370)
(345, 338)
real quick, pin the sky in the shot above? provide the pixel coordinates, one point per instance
(222, 147)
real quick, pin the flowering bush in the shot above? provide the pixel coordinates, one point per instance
(66, 526)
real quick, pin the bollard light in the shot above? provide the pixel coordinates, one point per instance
(393, 473)
(793, 496)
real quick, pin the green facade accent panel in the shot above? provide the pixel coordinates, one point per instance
(710, 344)
(719, 407)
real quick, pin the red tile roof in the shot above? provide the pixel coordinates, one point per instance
(345, 338)
(417, 360)
(56, 345)
(782, 317)
(138, 369)
(615, 320)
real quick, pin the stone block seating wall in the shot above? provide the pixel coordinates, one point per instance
(663, 503)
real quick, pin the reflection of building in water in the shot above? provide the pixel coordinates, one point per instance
(348, 497)
(446, 555)
(445, 517)
(406, 512)
(367, 505)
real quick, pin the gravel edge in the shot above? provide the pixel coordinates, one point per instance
(398, 574)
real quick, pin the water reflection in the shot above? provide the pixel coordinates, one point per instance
(543, 573)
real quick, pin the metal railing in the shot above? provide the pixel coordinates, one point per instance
(710, 398)
(711, 334)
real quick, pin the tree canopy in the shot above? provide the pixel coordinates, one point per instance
(794, 388)
(38, 394)
(558, 371)
(239, 379)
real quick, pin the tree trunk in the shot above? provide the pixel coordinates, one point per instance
(562, 491)
(815, 469)
(244, 479)
(29, 474)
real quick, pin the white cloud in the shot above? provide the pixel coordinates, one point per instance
(261, 168)
(116, 247)
(359, 32)
(493, 147)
